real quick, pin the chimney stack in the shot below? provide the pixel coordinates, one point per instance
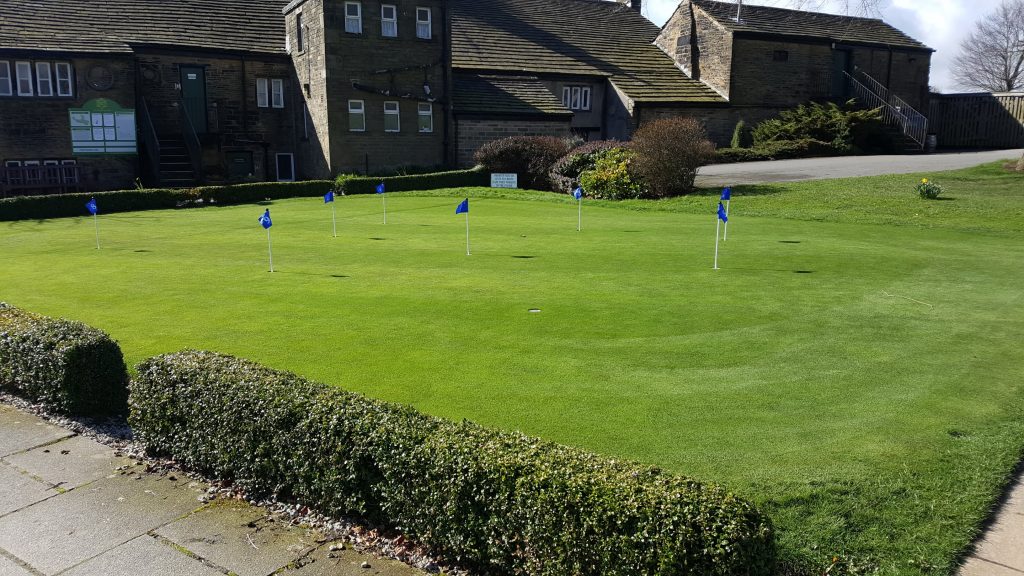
(634, 4)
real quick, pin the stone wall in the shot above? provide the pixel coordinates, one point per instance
(475, 132)
(314, 149)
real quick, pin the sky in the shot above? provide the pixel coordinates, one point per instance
(940, 24)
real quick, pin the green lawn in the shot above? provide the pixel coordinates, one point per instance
(854, 367)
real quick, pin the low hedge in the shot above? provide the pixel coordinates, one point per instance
(67, 205)
(349, 184)
(499, 502)
(72, 367)
(779, 150)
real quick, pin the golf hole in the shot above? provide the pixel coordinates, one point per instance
(534, 310)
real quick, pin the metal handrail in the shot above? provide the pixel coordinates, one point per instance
(895, 111)
(195, 149)
(150, 139)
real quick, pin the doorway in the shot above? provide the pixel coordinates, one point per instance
(193, 95)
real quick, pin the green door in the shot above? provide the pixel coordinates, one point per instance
(840, 64)
(193, 93)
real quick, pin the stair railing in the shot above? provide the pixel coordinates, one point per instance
(895, 111)
(195, 149)
(150, 141)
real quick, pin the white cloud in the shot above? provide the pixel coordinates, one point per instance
(941, 24)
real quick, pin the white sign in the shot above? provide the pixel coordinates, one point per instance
(504, 180)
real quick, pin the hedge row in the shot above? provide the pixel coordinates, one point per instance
(500, 502)
(779, 150)
(66, 205)
(454, 179)
(72, 367)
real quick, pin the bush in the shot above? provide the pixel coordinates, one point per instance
(839, 126)
(260, 191)
(499, 502)
(780, 150)
(73, 368)
(350, 184)
(669, 152)
(928, 190)
(610, 176)
(531, 157)
(565, 173)
(740, 136)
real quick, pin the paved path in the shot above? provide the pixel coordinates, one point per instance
(843, 167)
(69, 506)
(1000, 552)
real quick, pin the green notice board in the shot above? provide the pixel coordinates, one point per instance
(102, 128)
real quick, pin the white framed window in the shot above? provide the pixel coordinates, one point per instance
(68, 172)
(277, 93)
(24, 72)
(15, 175)
(423, 26)
(6, 85)
(425, 113)
(585, 98)
(576, 97)
(392, 119)
(356, 116)
(300, 39)
(285, 166)
(262, 93)
(388, 20)
(65, 86)
(353, 17)
(33, 174)
(51, 171)
(44, 80)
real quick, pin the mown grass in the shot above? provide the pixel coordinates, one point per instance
(853, 369)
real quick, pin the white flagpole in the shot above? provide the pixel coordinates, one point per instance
(334, 220)
(96, 225)
(718, 222)
(579, 216)
(385, 203)
(270, 250)
(725, 234)
(467, 233)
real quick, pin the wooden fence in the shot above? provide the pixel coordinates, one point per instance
(981, 120)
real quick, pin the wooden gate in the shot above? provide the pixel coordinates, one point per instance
(981, 120)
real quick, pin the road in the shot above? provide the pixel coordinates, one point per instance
(843, 167)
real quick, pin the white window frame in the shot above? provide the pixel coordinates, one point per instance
(424, 28)
(425, 110)
(64, 74)
(35, 175)
(277, 164)
(389, 26)
(44, 79)
(14, 179)
(51, 171)
(262, 93)
(576, 97)
(69, 175)
(585, 98)
(277, 93)
(358, 108)
(23, 70)
(6, 81)
(354, 23)
(395, 112)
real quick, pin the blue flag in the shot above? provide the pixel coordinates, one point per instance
(463, 207)
(726, 193)
(721, 213)
(578, 192)
(380, 188)
(91, 206)
(265, 219)
(329, 197)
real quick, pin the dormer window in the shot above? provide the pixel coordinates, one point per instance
(388, 21)
(576, 97)
(353, 17)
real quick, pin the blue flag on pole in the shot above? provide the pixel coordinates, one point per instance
(380, 188)
(726, 193)
(463, 207)
(329, 197)
(578, 192)
(91, 206)
(265, 219)
(721, 213)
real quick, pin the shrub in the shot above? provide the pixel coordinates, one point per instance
(531, 157)
(928, 190)
(838, 126)
(610, 177)
(500, 502)
(565, 173)
(350, 184)
(74, 368)
(669, 152)
(780, 150)
(260, 191)
(740, 135)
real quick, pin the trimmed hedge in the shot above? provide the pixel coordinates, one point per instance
(780, 150)
(67, 205)
(74, 368)
(454, 179)
(500, 502)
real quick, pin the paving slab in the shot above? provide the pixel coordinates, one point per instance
(20, 490)
(143, 555)
(240, 538)
(979, 567)
(21, 431)
(1003, 542)
(70, 463)
(9, 567)
(60, 532)
(324, 562)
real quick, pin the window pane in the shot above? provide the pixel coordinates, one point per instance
(63, 70)
(277, 93)
(285, 168)
(353, 18)
(585, 99)
(388, 21)
(299, 39)
(6, 86)
(575, 98)
(391, 117)
(566, 100)
(24, 70)
(356, 116)
(423, 23)
(426, 118)
(44, 83)
(261, 92)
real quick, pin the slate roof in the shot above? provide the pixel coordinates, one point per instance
(499, 94)
(780, 21)
(113, 25)
(570, 37)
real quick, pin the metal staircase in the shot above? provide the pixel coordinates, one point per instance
(896, 113)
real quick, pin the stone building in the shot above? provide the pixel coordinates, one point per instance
(178, 93)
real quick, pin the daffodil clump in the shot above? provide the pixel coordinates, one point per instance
(929, 190)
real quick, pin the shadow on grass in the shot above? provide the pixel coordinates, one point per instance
(745, 190)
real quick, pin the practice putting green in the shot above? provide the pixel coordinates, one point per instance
(861, 382)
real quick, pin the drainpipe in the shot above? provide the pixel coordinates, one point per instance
(888, 73)
(450, 156)
(245, 94)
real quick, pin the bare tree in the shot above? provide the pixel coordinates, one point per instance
(992, 57)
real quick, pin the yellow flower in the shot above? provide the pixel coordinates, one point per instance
(924, 180)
